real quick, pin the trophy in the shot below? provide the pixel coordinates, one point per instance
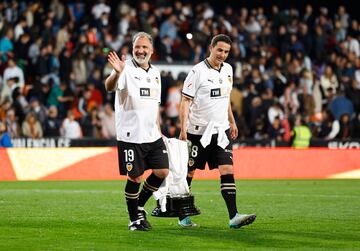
(174, 198)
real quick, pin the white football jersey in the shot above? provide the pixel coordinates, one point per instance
(209, 90)
(137, 102)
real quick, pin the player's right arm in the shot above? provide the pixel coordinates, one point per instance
(118, 65)
(188, 93)
(184, 114)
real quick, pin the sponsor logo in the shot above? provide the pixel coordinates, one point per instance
(215, 92)
(191, 162)
(137, 78)
(144, 92)
(129, 166)
(344, 145)
(211, 81)
(189, 85)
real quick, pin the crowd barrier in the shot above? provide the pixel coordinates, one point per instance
(101, 163)
(90, 142)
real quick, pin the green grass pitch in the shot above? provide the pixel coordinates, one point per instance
(91, 215)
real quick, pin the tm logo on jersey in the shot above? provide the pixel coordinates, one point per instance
(149, 93)
(219, 92)
(144, 92)
(215, 92)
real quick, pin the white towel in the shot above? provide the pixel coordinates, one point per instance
(222, 139)
(175, 183)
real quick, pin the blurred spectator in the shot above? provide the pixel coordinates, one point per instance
(301, 133)
(172, 104)
(169, 29)
(345, 127)
(20, 104)
(340, 105)
(328, 81)
(5, 140)
(329, 126)
(275, 130)
(13, 126)
(91, 124)
(107, 118)
(70, 128)
(38, 109)
(85, 105)
(52, 123)
(31, 127)
(12, 71)
(20, 28)
(6, 45)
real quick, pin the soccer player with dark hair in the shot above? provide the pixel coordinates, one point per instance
(207, 122)
(137, 85)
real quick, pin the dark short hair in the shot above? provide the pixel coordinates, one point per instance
(220, 38)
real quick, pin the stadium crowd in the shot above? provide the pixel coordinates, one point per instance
(287, 63)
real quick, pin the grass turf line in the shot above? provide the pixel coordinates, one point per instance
(91, 215)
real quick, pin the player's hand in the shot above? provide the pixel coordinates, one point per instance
(233, 131)
(117, 63)
(183, 135)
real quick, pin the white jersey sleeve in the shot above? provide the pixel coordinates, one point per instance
(121, 83)
(191, 83)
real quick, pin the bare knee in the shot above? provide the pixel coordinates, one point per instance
(226, 169)
(191, 173)
(161, 173)
(135, 179)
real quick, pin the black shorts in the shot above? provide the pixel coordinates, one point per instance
(213, 154)
(134, 159)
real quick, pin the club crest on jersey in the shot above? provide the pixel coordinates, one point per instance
(129, 166)
(191, 162)
(148, 79)
(220, 81)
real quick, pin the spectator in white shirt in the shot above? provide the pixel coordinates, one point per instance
(70, 128)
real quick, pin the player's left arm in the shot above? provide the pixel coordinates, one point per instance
(233, 127)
